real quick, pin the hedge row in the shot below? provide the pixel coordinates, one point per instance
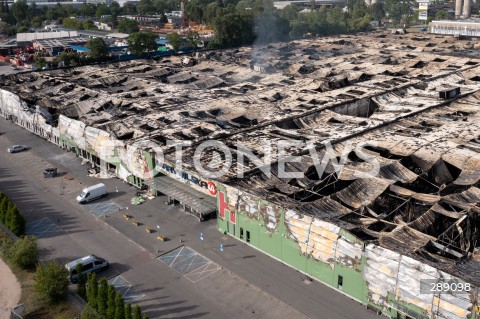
(106, 302)
(10, 216)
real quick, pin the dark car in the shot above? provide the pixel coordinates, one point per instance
(50, 172)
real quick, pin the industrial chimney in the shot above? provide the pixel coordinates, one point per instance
(467, 9)
(458, 8)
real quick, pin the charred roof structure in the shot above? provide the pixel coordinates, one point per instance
(414, 99)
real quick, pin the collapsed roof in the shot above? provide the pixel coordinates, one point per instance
(413, 98)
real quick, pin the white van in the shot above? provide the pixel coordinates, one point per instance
(92, 193)
(90, 263)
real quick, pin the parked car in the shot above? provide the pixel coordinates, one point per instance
(91, 193)
(90, 263)
(17, 148)
(50, 172)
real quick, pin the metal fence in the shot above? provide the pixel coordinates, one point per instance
(16, 311)
(76, 301)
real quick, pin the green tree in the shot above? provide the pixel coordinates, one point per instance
(6, 28)
(72, 23)
(299, 27)
(24, 252)
(137, 313)
(9, 214)
(102, 10)
(51, 281)
(119, 307)
(92, 290)
(89, 25)
(128, 26)
(111, 303)
(336, 21)
(128, 311)
(102, 298)
(68, 56)
(193, 37)
(81, 282)
(129, 9)
(37, 21)
(290, 12)
(141, 42)
(20, 10)
(271, 28)
(17, 223)
(233, 30)
(144, 317)
(441, 15)
(175, 40)
(377, 11)
(3, 208)
(115, 10)
(87, 10)
(145, 7)
(98, 49)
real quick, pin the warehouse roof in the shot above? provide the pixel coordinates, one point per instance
(413, 97)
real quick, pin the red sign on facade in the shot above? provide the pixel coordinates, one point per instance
(222, 205)
(212, 189)
(223, 209)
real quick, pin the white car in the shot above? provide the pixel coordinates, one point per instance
(17, 148)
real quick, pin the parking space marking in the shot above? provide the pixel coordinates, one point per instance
(202, 272)
(102, 208)
(42, 228)
(191, 264)
(122, 286)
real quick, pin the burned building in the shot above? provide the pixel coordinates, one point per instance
(411, 101)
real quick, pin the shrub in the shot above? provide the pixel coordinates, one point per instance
(137, 313)
(51, 281)
(17, 223)
(92, 289)
(128, 311)
(111, 303)
(10, 216)
(3, 208)
(90, 313)
(81, 282)
(119, 307)
(102, 298)
(24, 252)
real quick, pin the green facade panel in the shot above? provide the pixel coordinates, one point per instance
(342, 272)
(352, 282)
(320, 271)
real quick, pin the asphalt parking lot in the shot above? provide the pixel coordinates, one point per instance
(239, 282)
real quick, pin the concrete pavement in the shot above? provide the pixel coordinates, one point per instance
(250, 284)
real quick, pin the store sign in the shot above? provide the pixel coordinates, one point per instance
(423, 11)
(209, 186)
(223, 209)
(212, 189)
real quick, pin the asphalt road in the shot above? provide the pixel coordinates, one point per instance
(247, 283)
